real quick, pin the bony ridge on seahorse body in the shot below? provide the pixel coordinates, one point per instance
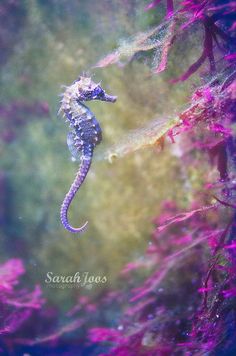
(85, 133)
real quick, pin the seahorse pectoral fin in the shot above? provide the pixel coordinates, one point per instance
(71, 143)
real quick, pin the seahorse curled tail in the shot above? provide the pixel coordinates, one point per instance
(85, 163)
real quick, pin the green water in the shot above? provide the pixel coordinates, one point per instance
(55, 42)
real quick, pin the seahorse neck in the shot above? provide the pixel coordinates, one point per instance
(81, 103)
(77, 108)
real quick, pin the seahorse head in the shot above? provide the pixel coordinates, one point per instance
(88, 90)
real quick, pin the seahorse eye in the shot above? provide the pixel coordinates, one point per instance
(96, 92)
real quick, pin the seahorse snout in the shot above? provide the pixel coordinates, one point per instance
(109, 98)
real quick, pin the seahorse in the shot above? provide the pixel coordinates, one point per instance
(85, 133)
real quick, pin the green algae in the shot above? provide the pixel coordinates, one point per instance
(119, 200)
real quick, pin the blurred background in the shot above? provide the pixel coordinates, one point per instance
(47, 44)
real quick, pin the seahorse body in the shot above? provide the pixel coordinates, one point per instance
(86, 133)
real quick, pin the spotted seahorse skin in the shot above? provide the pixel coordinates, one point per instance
(86, 133)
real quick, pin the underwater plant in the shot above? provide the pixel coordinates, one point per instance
(17, 305)
(179, 298)
(26, 320)
(195, 313)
